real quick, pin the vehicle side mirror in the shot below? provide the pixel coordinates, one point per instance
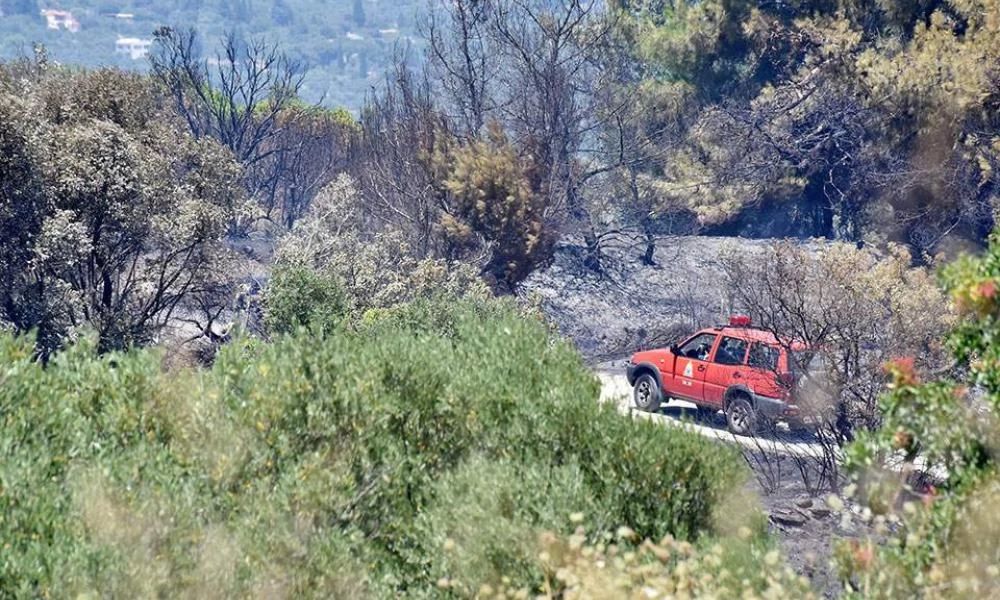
(675, 349)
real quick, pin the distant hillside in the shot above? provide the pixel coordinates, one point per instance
(344, 44)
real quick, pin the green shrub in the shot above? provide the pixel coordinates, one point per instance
(297, 296)
(378, 269)
(330, 466)
(485, 520)
(942, 540)
(744, 565)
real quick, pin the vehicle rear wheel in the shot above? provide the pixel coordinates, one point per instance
(646, 393)
(741, 416)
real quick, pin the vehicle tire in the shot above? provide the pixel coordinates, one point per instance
(741, 417)
(646, 393)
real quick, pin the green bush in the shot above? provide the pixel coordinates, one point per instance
(941, 540)
(617, 565)
(484, 523)
(327, 467)
(297, 296)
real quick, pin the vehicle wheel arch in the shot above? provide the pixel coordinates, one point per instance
(739, 391)
(644, 368)
(741, 411)
(647, 393)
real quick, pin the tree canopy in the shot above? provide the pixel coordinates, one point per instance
(112, 212)
(867, 120)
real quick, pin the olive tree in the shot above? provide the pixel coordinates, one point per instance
(112, 212)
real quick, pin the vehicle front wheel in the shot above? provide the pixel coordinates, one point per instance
(646, 393)
(741, 416)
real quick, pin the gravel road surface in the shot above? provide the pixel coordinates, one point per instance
(677, 413)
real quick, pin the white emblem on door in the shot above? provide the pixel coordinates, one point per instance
(689, 370)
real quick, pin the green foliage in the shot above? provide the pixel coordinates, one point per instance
(112, 213)
(297, 297)
(947, 542)
(435, 314)
(863, 120)
(377, 270)
(485, 524)
(332, 466)
(489, 201)
(701, 43)
(744, 564)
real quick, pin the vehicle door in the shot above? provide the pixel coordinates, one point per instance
(762, 377)
(688, 379)
(728, 368)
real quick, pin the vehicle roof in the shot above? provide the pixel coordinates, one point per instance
(754, 334)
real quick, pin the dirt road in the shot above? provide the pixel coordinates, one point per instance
(676, 413)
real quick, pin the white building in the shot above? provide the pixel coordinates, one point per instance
(60, 19)
(133, 47)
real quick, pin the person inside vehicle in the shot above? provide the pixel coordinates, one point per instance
(700, 351)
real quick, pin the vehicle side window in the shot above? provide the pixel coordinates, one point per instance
(698, 347)
(763, 357)
(731, 351)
